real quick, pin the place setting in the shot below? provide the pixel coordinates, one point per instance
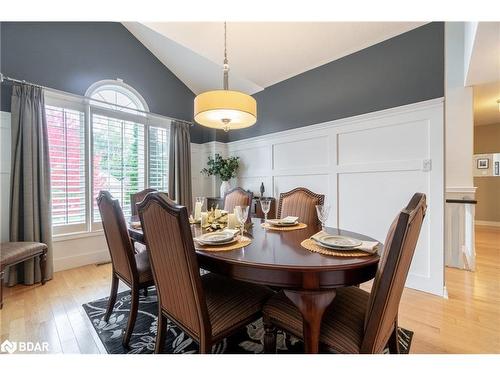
(337, 245)
(288, 223)
(135, 224)
(225, 236)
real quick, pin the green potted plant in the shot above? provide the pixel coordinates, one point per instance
(225, 168)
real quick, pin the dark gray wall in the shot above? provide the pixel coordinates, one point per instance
(70, 56)
(405, 69)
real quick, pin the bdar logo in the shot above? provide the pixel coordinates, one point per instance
(8, 347)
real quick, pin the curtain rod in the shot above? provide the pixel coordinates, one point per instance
(4, 78)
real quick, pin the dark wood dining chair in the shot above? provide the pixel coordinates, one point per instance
(132, 269)
(208, 307)
(137, 197)
(238, 197)
(300, 202)
(134, 199)
(358, 321)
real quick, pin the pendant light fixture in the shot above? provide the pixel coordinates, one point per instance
(225, 109)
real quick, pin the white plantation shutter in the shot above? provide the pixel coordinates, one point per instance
(118, 160)
(159, 139)
(66, 135)
(116, 146)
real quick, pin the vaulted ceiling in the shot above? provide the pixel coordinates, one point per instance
(260, 53)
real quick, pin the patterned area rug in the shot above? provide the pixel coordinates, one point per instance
(249, 340)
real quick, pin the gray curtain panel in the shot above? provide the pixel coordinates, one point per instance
(179, 179)
(30, 211)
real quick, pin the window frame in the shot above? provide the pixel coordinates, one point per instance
(89, 107)
(120, 86)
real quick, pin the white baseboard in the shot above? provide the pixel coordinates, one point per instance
(66, 263)
(488, 223)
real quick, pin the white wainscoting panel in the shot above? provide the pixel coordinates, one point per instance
(305, 153)
(319, 183)
(203, 186)
(261, 161)
(384, 143)
(368, 167)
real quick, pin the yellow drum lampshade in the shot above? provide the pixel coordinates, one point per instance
(225, 109)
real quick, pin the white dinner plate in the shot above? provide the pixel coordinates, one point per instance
(337, 242)
(216, 238)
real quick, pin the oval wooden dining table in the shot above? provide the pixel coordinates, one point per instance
(276, 259)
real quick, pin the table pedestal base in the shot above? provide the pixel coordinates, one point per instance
(312, 305)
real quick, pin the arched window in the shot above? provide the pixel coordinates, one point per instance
(120, 157)
(127, 151)
(116, 95)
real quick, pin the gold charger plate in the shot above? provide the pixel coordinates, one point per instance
(241, 242)
(313, 246)
(287, 228)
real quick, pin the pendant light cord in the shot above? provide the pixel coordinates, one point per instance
(226, 64)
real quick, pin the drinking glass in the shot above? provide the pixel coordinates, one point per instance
(322, 211)
(242, 216)
(265, 204)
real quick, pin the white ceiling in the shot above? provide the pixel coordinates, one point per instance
(485, 104)
(484, 66)
(260, 53)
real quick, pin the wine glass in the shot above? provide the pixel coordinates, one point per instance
(265, 204)
(323, 211)
(241, 215)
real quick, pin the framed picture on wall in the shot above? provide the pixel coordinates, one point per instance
(482, 163)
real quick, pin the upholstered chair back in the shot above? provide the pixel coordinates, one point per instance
(237, 197)
(138, 197)
(399, 247)
(116, 233)
(174, 264)
(300, 202)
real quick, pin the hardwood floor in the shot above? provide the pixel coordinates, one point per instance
(467, 322)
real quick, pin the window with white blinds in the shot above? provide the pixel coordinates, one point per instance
(94, 146)
(118, 158)
(158, 157)
(66, 136)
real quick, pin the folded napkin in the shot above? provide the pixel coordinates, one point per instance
(289, 219)
(367, 246)
(232, 231)
(285, 220)
(135, 224)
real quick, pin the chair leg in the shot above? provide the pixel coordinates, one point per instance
(269, 337)
(205, 347)
(134, 307)
(161, 332)
(43, 267)
(393, 341)
(112, 297)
